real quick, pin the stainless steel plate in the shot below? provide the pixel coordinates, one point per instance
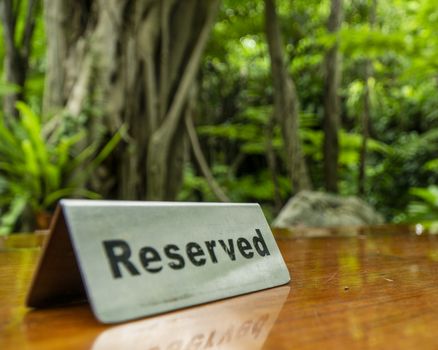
(143, 258)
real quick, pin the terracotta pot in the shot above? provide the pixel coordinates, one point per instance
(43, 219)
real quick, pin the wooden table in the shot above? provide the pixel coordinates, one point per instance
(365, 292)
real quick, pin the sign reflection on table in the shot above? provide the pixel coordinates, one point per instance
(239, 323)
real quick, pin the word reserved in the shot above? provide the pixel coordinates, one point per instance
(119, 254)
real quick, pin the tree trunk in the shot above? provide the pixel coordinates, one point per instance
(133, 62)
(272, 163)
(332, 102)
(17, 52)
(199, 155)
(367, 110)
(286, 104)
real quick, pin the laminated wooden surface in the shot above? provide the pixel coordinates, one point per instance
(372, 291)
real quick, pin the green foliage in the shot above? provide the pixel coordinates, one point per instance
(402, 49)
(431, 165)
(43, 159)
(34, 84)
(362, 42)
(6, 88)
(425, 208)
(37, 170)
(404, 168)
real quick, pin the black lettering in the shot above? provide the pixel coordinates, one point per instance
(170, 251)
(258, 325)
(119, 258)
(244, 246)
(147, 256)
(210, 343)
(244, 328)
(259, 244)
(230, 249)
(176, 345)
(195, 342)
(227, 337)
(194, 251)
(210, 248)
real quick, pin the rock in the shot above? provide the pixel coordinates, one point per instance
(319, 209)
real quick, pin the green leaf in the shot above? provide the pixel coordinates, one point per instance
(431, 165)
(68, 193)
(9, 219)
(32, 125)
(429, 194)
(80, 178)
(30, 158)
(8, 88)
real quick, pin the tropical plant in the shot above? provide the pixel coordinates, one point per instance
(37, 169)
(424, 209)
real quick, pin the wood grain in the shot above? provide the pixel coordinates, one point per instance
(365, 292)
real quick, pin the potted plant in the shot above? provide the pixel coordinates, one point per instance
(37, 169)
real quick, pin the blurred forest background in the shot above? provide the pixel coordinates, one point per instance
(207, 100)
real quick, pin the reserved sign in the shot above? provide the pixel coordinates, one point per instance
(133, 259)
